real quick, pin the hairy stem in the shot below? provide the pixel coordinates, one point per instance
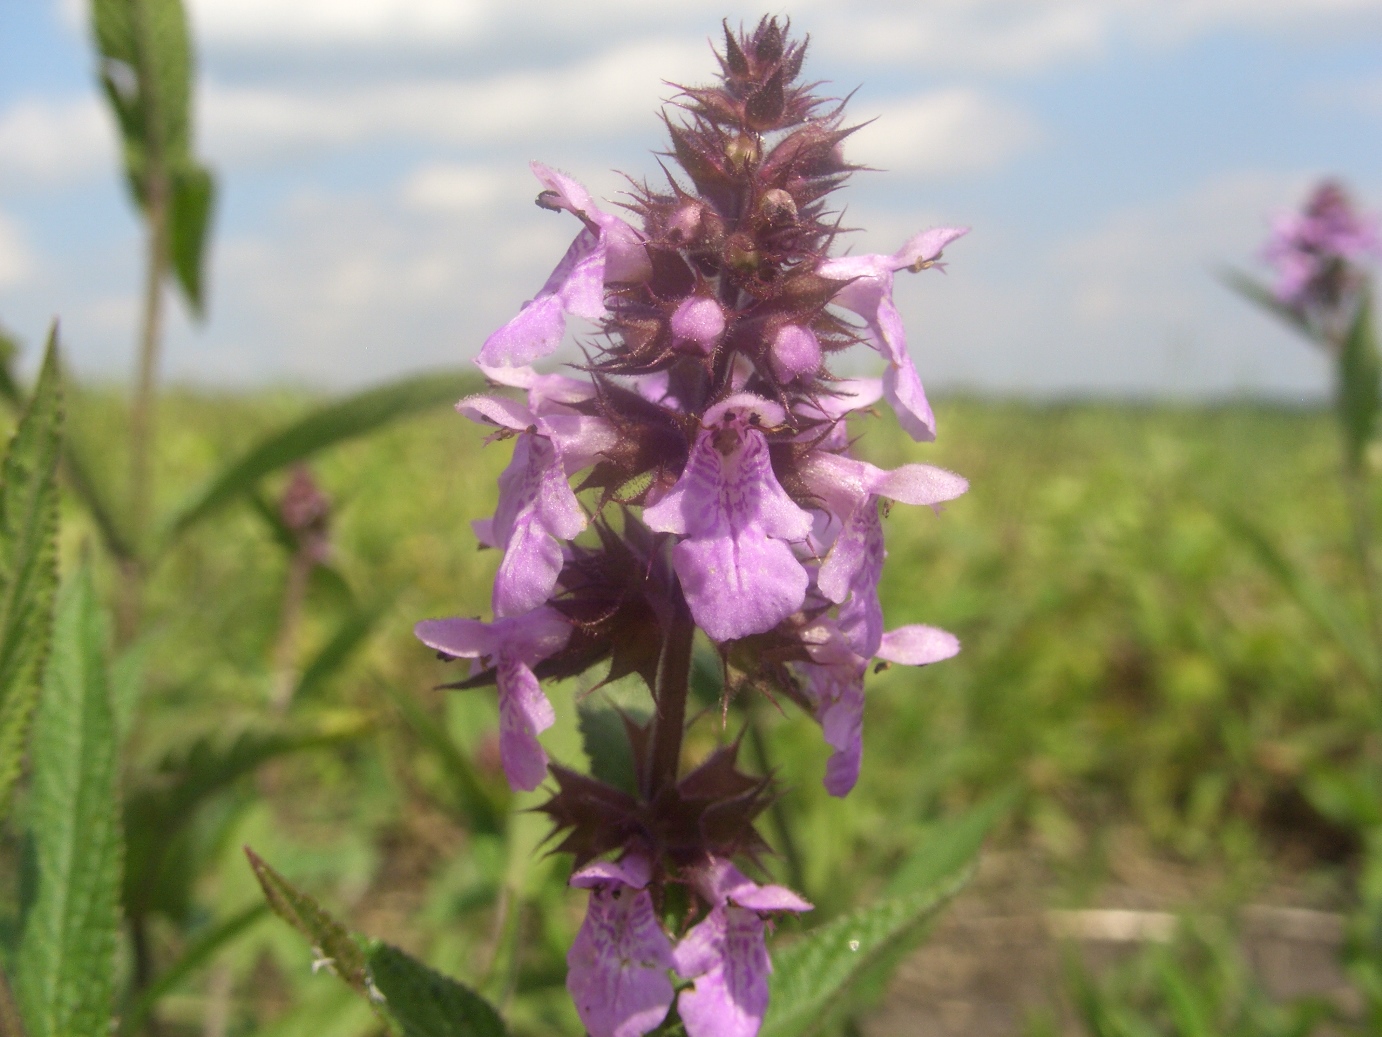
(673, 683)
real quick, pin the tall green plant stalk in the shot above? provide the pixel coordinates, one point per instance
(144, 405)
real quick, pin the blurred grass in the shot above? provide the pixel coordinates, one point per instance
(1125, 660)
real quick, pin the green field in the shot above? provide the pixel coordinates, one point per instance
(1128, 667)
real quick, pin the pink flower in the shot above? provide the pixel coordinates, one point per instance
(870, 295)
(607, 250)
(736, 568)
(1309, 248)
(726, 955)
(537, 509)
(835, 685)
(850, 489)
(617, 967)
(513, 646)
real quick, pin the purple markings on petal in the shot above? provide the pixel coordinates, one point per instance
(536, 510)
(727, 957)
(795, 352)
(617, 967)
(736, 569)
(699, 321)
(513, 646)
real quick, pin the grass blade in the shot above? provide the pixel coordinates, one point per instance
(1359, 388)
(66, 960)
(132, 1020)
(1325, 609)
(425, 1003)
(28, 564)
(327, 426)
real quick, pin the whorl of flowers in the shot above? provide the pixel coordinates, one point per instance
(1317, 254)
(713, 489)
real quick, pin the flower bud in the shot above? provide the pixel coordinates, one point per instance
(699, 320)
(684, 224)
(742, 152)
(741, 254)
(777, 207)
(795, 352)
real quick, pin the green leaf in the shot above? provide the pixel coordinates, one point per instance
(189, 223)
(336, 949)
(194, 957)
(813, 977)
(1360, 388)
(28, 564)
(9, 386)
(1324, 608)
(327, 426)
(606, 745)
(159, 874)
(66, 960)
(425, 1003)
(950, 847)
(146, 74)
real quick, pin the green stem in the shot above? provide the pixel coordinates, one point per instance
(143, 406)
(1359, 507)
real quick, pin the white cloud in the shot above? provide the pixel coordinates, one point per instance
(450, 188)
(45, 141)
(318, 23)
(942, 133)
(604, 95)
(16, 261)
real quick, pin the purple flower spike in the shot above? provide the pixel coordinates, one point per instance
(870, 295)
(617, 967)
(736, 568)
(700, 321)
(607, 250)
(513, 647)
(1311, 249)
(726, 955)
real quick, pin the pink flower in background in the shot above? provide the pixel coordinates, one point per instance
(513, 646)
(617, 967)
(1312, 249)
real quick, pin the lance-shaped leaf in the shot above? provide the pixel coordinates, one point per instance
(1256, 292)
(28, 564)
(336, 949)
(1359, 391)
(425, 1003)
(146, 74)
(66, 960)
(815, 977)
(327, 426)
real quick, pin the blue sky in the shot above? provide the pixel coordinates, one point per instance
(376, 210)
